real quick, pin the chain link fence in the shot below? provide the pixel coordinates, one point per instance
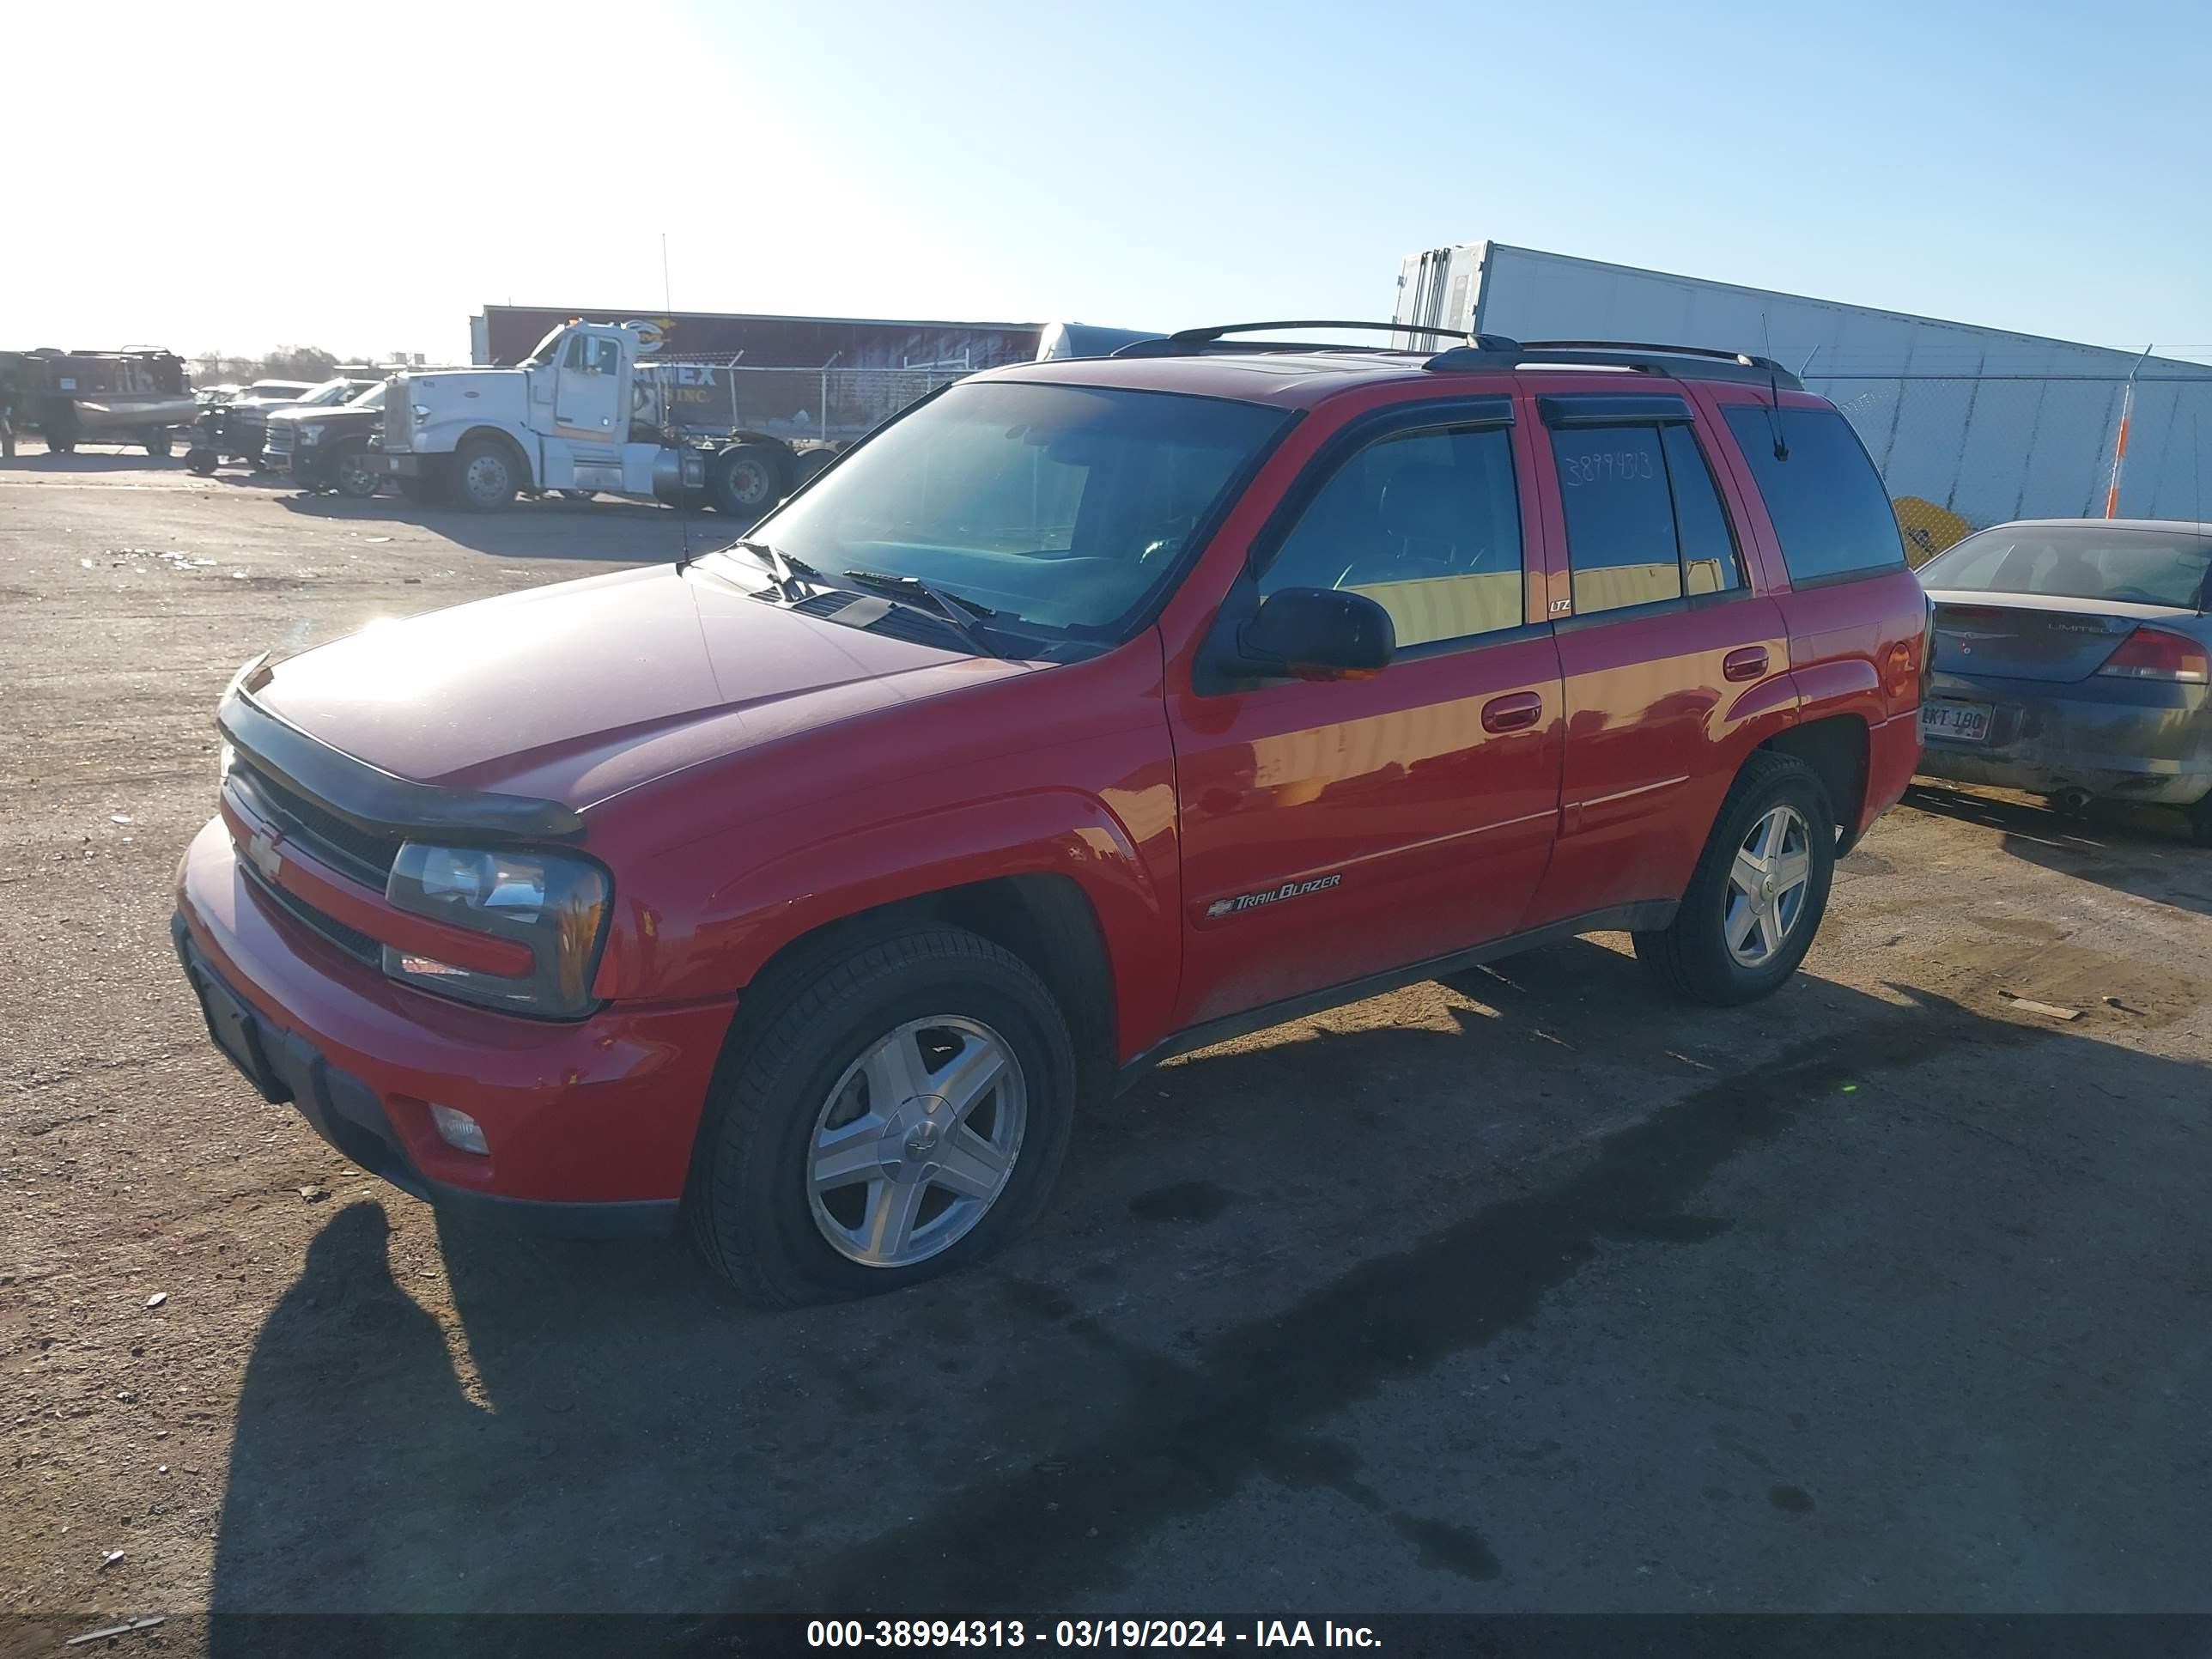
(791, 404)
(1958, 452)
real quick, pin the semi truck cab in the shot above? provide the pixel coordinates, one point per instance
(563, 419)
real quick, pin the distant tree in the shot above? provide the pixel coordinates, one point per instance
(289, 364)
(300, 363)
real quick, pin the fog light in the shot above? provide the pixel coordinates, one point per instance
(460, 1130)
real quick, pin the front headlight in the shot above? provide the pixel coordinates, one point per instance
(554, 903)
(310, 432)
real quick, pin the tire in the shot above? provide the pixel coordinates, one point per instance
(753, 1207)
(350, 474)
(746, 480)
(1694, 958)
(2200, 821)
(202, 461)
(484, 476)
(807, 463)
(157, 443)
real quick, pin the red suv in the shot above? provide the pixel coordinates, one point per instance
(1089, 711)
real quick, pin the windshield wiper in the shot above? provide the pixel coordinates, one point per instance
(788, 572)
(963, 615)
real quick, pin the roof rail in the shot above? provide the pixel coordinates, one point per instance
(1192, 342)
(1492, 351)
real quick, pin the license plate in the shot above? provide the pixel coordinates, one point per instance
(1955, 722)
(231, 1023)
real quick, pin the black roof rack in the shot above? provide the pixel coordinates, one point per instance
(1194, 342)
(1491, 351)
(1710, 363)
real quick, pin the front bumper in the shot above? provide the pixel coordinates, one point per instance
(590, 1124)
(2122, 739)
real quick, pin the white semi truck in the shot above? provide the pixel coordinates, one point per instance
(592, 410)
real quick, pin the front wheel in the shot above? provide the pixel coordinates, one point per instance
(1759, 889)
(484, 476)
(899, 1111)
(202, 461)
(351, 476)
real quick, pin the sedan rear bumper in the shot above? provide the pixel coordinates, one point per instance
(2125, 740)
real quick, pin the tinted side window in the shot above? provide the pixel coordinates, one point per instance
(1709, 556)
(1829, 511)
(1426, 524)
(1620, 516)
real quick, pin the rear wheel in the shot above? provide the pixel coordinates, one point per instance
(899, 1111)
(351, 476)
(484, 476)
(2200, 821)
(202, 461)
(746, 480)
(809, 462)
(157, 439)
(1755, 900)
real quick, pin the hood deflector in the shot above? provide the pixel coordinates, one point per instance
(371, 798)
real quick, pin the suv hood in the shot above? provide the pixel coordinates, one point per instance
(578, 691)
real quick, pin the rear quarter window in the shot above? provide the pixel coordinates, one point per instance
(1831, 513)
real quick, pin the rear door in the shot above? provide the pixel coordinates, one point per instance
(1665, 648)
(1336, 828)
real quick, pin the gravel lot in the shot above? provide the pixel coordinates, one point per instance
(1525, 1291)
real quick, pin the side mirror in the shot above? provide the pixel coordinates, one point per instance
(1319, 633)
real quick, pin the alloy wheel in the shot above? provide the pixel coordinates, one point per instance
(917, 1141)
(1766, 885)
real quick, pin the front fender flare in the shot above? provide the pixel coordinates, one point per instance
(745, 917)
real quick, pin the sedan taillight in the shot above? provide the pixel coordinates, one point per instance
(2158, 653)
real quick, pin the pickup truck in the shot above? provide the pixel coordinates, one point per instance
(1091, 712)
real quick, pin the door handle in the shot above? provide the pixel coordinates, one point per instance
(1747, 664)
(1513, 713)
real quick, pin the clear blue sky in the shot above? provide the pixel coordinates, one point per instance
(2035, 166)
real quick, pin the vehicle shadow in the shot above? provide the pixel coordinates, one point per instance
(1203, 1304)
(2144, 850)
(548, 528)
(118, 459)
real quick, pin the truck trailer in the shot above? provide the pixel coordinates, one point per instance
(1969, 426)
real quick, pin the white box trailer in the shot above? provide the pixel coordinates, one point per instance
(1970, 426)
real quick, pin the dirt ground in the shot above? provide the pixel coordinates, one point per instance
(1527, 1291)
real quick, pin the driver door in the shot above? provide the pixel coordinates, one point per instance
(588, 407)
(1337, 828)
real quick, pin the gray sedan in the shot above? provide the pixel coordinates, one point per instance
(2072, 660)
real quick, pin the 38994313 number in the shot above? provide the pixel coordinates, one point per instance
(1606, 466)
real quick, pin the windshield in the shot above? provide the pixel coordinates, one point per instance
(371, 398)
(2086, 561)
(545, 349)
(329, 392)
(1064, 508)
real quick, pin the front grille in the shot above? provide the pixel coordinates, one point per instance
(351, 941)
(280, 437)
(365, 855)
